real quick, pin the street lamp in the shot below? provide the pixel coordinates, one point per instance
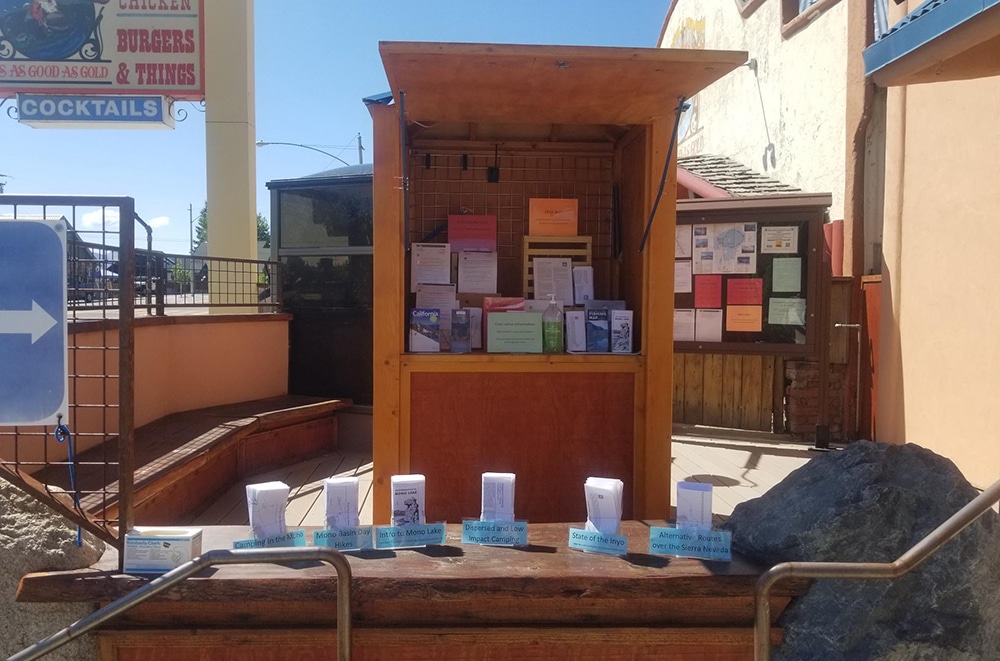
(261, 143)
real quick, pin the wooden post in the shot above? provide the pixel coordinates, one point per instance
(388, 308)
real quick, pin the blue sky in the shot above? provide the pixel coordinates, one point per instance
(314, 63)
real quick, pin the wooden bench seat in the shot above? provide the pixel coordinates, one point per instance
(184, 460)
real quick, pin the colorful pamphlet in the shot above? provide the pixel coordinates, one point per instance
(461, 331)
(425, 330)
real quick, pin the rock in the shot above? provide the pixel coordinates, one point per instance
(871, 502)
(34, 538)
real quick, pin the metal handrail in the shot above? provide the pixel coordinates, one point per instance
(209, 559)
(909, 560)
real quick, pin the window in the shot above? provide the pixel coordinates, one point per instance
(797, 14)
(748, 7)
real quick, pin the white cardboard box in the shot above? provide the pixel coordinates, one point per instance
(150, 550)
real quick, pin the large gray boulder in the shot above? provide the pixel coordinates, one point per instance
(871, 502)
(34, 538)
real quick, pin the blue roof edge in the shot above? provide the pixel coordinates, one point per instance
(920, 27)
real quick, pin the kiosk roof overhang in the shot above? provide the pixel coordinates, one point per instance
(941, 40)
(494, 83)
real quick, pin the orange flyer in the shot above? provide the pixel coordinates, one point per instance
(552, 216)
(743, 318)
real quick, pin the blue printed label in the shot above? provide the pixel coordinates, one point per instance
(409, 536)
(292, 538)
(495, 533)
(344, 539)
(692, 543)
(595, 542)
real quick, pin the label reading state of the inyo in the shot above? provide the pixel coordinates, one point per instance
(595, 542)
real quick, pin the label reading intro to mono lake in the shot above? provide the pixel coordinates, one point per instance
(409, 536)
(344, 539)
(692, 543)
(495, 533)
(291, 538)
(595, 542)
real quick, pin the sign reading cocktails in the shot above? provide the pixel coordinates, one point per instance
(147, 47)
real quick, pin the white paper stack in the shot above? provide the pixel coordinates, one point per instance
(266, 503)
(408, 500)
(694, 505)
(498, 497)
(604, 504)
(341, 497)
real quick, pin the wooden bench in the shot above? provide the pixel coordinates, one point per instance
(184, 460)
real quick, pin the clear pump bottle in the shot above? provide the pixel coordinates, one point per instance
(552, 327)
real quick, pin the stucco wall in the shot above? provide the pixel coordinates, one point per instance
(938, 373)
(181, 364)
(802, 82)
(184, 366)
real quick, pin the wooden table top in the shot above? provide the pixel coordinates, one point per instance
(544, 566)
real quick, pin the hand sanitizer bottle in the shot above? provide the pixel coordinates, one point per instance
(552, 327)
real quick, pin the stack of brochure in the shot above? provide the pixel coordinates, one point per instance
(341, 497)
(498, 497)
(604, 504)
(408, 500)
(266, 504)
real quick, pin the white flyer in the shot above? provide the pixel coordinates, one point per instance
(553, 275)
(430, 263)
(340, 494)
(694, 505)
(266, 503)
(604, 504)
(498, 497)
(779, 240)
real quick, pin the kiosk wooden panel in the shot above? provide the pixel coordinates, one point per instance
(486, 127)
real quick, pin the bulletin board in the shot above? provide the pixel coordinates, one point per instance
(746, 277)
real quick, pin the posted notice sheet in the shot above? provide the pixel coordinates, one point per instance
(430, 263)
(684, 325)
(477, 272)
(708, 325)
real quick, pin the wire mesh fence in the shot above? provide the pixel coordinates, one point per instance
(83, 465)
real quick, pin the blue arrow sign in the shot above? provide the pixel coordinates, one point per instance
(33, 365)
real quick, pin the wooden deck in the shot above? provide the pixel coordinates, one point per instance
(305, 502)
(739, 465)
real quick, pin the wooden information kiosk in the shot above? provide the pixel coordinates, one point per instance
(483, 129)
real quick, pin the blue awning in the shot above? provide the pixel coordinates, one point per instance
(937, 41)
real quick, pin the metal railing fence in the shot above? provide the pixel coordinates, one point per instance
(90, 478)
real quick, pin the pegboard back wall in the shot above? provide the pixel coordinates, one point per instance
(446, 188)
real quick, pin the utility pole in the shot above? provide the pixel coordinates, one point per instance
(361, 151)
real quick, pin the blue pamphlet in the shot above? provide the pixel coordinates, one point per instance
(595, 542)
(291, 538)
(495, 533)
(409, 536)
(692, 543)
(344, 539)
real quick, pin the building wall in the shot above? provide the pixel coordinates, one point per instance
(802, 82)
(187, 366)
(938, 373)
(181, 364)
